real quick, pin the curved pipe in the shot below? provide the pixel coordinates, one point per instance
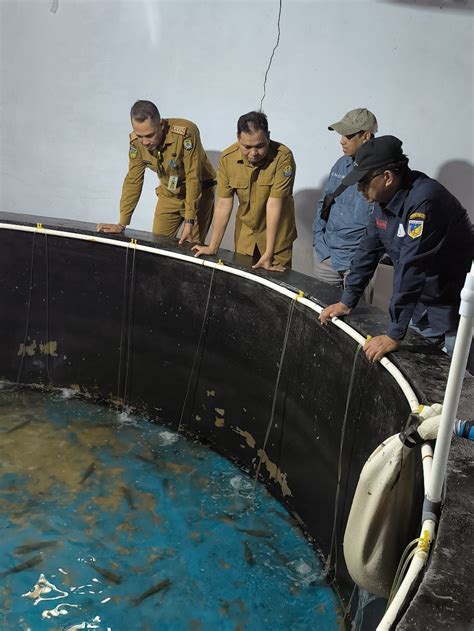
(386, 363)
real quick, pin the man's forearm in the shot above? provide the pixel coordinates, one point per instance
(193, 195)
(273, 214)
(222, 212)
(131, 192)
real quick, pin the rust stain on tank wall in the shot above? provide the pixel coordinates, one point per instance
(49, 348)
(46, 348)
(249, 439)
(27, 349)
(275, 473)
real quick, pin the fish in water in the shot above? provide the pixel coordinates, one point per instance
(255, 533)
(168, 486)
(128, 497)
(278, 555)
(159, 587)
(177, 468)
(33, 547)
(89, 471)
(248, 556)
(149, 460)
(226, 518)
(286, 517)
(107, 574)
(26, 508)
(23, 566)
(105, 426)
(174, 467)
(18, 426)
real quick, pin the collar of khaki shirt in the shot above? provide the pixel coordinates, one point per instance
(167, 139)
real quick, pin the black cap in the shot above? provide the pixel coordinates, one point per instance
(374, 154)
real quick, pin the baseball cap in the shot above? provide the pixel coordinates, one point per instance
(356, 120)
(374, 154)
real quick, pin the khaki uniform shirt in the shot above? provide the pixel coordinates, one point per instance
(182, 166)
(253, 185)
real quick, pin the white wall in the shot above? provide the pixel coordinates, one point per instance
(69, 78)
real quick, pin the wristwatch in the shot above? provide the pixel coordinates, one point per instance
(189, 221)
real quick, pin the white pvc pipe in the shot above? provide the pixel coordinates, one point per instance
(453, 390)
(434, 479)
(418, 562)
(427, 463)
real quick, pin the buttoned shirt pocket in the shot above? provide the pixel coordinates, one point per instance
(263, 192)
(264, 187)
(266, 178)
(241, 188)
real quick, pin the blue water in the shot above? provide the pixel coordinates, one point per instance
(152, 509)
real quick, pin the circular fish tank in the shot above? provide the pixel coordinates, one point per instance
(182, 439)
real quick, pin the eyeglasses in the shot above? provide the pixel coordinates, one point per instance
(363, 184)
(368, 177)
(351, 136)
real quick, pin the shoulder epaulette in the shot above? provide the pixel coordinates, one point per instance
(230, 150)
(178, 129)
(284, 149)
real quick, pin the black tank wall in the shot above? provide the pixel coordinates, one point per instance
(131, 325)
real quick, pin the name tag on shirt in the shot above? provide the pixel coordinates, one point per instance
(173, 183)
(381, 223)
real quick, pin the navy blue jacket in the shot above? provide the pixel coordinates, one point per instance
(430, 239)
(339, 237)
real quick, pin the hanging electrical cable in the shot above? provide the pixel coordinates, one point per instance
(28, 310)
(125, 348)
(272, 55)
(196, 354)
(277, 383)
(122, 332)
(46, 284)
(331, 561)
(129, 329)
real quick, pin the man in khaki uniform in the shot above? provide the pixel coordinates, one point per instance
(171, 148)
(261, 173)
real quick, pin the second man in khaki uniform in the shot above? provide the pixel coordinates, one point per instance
(171, 148)
(261, 173)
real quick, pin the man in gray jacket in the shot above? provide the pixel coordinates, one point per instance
(343, 213)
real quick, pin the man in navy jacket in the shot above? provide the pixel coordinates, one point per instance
(429, 238)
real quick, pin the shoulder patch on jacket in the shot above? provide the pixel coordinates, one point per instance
(415, 228)
(178, 129)
(417, 216)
